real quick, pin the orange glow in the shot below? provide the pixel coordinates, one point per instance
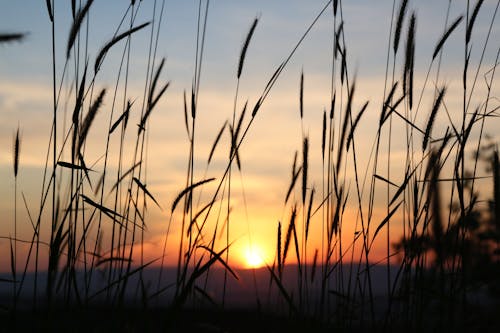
(253, 257)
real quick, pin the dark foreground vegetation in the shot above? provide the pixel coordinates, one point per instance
(130, 319)
(157, 320)
(441, 273)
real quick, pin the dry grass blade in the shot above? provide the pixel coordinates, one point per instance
(288, 236)
(295, 176)
(296, 243)
(137, 210)
(355, 124)
(186, 122)
(49, 10)
(274, 76)
(385, 220)
(116, 39)
(334, 226)
(75, 27)
(410, 76)
(161, 291)
(401, 188)
(278, 249)
(12, 261)
(460, 157)
(468, 129)
(446, 138)
(256, 107)
(154, 82)
(151, 106)
(234, 146)
(89, 118)
(445, 36)
(332, 106)
(205, 295)
(79, 99)
(193, 102)
(302, 38)
(405, 120)
(393, 109)
(305, 163)
(100, 183)
(35, 231)
(432, 117)
(56, 247)
(294, 165)
(472, 20)
(314, 266)
(240, 120)
(496, 187)
(245, 47)
(301, 96)
(197, 272)
(124, 175)
(17, 151)
(409, 60)
(282, 289)
(335, 5)
(399, 24)
(112, 259)
(109, 212)
(385, 180)
(323, 136)
(216, 142)
(189, 189)
(195, 218)
(410, 39)
(343, 68)
(145, 190)
(338, 48)
(309, 209)
(120, 279)
(219, 258)
(435, 202)
(347, 118)
(466, 67)
(387, 102)
(76, 111)
(123, 117)
(326, 198)
(12, 37)
(72, 166)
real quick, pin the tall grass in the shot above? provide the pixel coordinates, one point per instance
(449, 240)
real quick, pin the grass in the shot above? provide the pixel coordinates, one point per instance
(447, 254)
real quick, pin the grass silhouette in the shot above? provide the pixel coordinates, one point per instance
(439, 273)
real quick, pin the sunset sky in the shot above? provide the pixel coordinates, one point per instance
(258, 192)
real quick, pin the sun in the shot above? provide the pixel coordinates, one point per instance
(254, 257)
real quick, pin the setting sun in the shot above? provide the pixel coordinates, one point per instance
(253, 257)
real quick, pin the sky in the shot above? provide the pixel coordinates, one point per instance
(267, 152)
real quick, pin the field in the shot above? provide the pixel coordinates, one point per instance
(152, 193)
